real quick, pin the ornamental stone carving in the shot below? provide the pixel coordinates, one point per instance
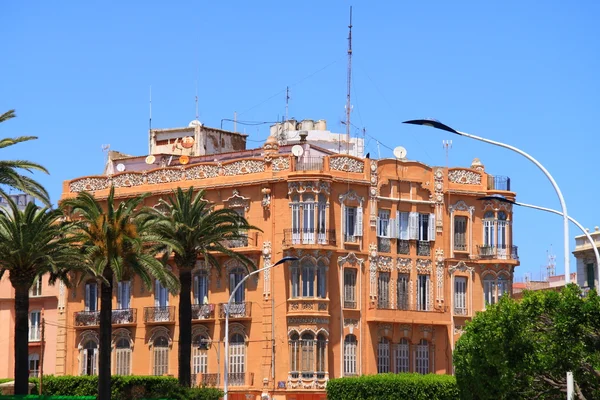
(243, 167)
(373, 191)
(281, 164)
(438, 198)
(384, 263)
(404, 265)
(266, 253)
(349, 322)
(346, 164)
(462, 267)
(319, 255)
(127, 180)
(310, 186)
(373, 269)
(477, 165)
(164, 176)
(202, 172)
(461, 205)
(464, 177)
(351, 259)
(307, 320)
(237, 201)
(88, 184)
(439, 273)
(423, 266)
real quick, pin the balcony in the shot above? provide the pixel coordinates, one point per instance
(460, 311)
(498, 252)
(404, 305)
(498, 183)
(203, 311)
(384, 245)
(403, 246)
(241, 378)
(236, 310)
(87, 318)
(293, 237)
(249, 240)
(211, 380)
(309, 164)
(350, 304)
(124, 316)
(157, 315)
(423, 248)
(458, 246)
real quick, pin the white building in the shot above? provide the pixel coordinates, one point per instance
(587, 268)
(20, 199)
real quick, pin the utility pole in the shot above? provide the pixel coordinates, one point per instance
(43, 345)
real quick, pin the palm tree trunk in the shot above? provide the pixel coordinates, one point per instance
(185, 327)
(21, 339)
(104, 369)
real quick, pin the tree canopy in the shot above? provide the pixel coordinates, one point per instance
(523, 349)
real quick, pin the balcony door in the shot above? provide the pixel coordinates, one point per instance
(91, 296)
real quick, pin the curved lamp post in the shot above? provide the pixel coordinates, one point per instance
(438, 125)
(503, 199)
(233, 292)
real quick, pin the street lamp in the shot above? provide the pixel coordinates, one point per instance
(226, 363)
(503, 199)
(438, 125)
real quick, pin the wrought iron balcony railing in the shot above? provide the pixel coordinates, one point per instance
(317, 236)
(159, 314)
(309, 164)
(403, 247)
(498, 182)
(203, 311)
(423, 248)
(236, 310)
(384, 245)
(87, 318)
(498, 252)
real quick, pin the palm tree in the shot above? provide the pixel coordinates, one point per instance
(9, 169)
(201, 232)
(33, 242)
(117, 244)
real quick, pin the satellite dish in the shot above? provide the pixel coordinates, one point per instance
(150, 159)
(187, 142)
(400, 152)
(120, 167)
(184, 160)
(297, 150)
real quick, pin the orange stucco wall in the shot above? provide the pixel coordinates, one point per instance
(265, 187)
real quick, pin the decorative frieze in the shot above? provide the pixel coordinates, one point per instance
(202, 172)
(88, 184)
(404, 265)
(281, 164)
(346, 164)
(243, 167)
(128, 179)
(384, 263)
(164, 175)
(307, 320)
(424, 266)
(439, 273)
(464, 177)
(309, 186)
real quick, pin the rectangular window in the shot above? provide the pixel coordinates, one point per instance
(383, 356)
(308, 281)
(295, 281)
(91, 296)
(403, 291)
(322, 282)
(295, 223)
(383, 290)
(201, 288)
(36, 288)
(161, 295)
(308, 223)
(460, 295)
(489, 291)
(123, 361)
(402, 351)
(308, 357)
(34, 326)
(426, 228)
(349, 224)
(422, 358)
(383, 224)
(460, 233)
(402, 220)
(591, 276)
(423, 292)
(161, 361)
(350, 356)
(123, 295)
(349, 288)
(199, 361)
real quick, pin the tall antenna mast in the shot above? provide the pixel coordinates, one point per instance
(287, 101)
(551, 268)
(348, 106)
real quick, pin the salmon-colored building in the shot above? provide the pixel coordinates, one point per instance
(395, 256)
(44, 306)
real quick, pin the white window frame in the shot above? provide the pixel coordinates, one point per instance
(160, 356)
(384, 224)
(423, 289)
(86, 358)
(199, 356)
(237, 354)
(350, 352)
(201, 289)
(35, 322)
(236, 276)
(489, 229)
(124, 295)
(489, 290)
(460, 295)
(91, 296)
(36, 288)
(123, 357)
(34, 358)
(295, 353)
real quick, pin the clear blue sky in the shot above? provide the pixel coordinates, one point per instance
(522, 72)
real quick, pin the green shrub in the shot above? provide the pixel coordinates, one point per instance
(393, 386)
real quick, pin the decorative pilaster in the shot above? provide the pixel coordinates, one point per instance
(266, 253)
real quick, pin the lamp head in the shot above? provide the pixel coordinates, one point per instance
(434, 123)
(284, 259)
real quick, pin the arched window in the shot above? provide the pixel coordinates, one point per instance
(123, 356)
(200, 354)
(160, 349)
(402, 353)
(34, 365)
(237, 360)
(308, 278)
(422, 357)
(308, 355)
(294, 355)
(201, 288)
(89, 358)
(488, 229)
(321, 280)
(383, 356)
(350, 351)
(321, 355)
(489, 289)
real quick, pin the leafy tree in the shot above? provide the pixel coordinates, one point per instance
(117, 243)
(33, 242)
(523, 349)
(9, 169)
(200, 232)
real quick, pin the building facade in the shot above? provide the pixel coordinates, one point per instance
(587, 267)
(43, 306)
(394, 257)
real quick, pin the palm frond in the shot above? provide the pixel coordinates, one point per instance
(7, 115)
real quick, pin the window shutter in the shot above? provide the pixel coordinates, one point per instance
(343, 222)
(84, 362)
(413, 226)
(95, 361)
(156, 294)
(87, 297)
(431, 233)
(127, 293)
(397, 225)
(391, 233)
(119, 294)
(359, 221)
(403, 232)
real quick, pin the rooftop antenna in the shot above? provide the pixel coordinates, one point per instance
(349, 78)
(447, 145)
(551, 268)
(105, 148)
(150, 123)
(287, 101)
(196, 100)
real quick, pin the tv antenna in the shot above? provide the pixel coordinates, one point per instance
(551, 268)
(349, 81)
(105, 148)
(447, 145)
